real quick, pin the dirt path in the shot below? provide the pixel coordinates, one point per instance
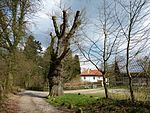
(33, 102)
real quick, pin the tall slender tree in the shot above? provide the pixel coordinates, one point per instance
(134, 29)
(102, 48)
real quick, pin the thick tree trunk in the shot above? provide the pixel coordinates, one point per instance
(55, 82)
(50, 85)
(57, 89)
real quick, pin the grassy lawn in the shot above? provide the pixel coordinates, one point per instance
(75, 100)
(94, 104)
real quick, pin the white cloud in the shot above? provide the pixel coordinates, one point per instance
(44, 48)
(42, 15)
(86, 65)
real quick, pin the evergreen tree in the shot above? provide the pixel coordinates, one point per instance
(77, 69)
(45, 62)
(32, 52)
(32, 48)
(70, 67)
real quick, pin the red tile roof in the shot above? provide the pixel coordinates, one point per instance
(90, 72)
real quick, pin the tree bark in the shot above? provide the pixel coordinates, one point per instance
(57, 89)
(127, 68)
(50, 85)
(105, 87)
(131, 90)
(59, 47)
(54, 80)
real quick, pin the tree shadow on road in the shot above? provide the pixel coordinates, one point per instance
(32, 94)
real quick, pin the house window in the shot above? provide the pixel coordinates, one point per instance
(93, 78)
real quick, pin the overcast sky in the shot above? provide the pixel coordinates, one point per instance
(43, 24)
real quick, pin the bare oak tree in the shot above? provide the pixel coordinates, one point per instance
(59, 47)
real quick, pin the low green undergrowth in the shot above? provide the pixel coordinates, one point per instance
(95, 104)
(76, 100)
(118, 106)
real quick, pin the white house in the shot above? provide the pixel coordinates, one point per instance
(92, 76)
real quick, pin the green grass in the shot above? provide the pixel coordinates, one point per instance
(140, 93)
(96, 103)
(117, 96)
(73, 99)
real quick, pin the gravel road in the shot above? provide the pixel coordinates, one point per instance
(34, 102)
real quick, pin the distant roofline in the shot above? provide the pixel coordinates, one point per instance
(90, 75)
(91, 72)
